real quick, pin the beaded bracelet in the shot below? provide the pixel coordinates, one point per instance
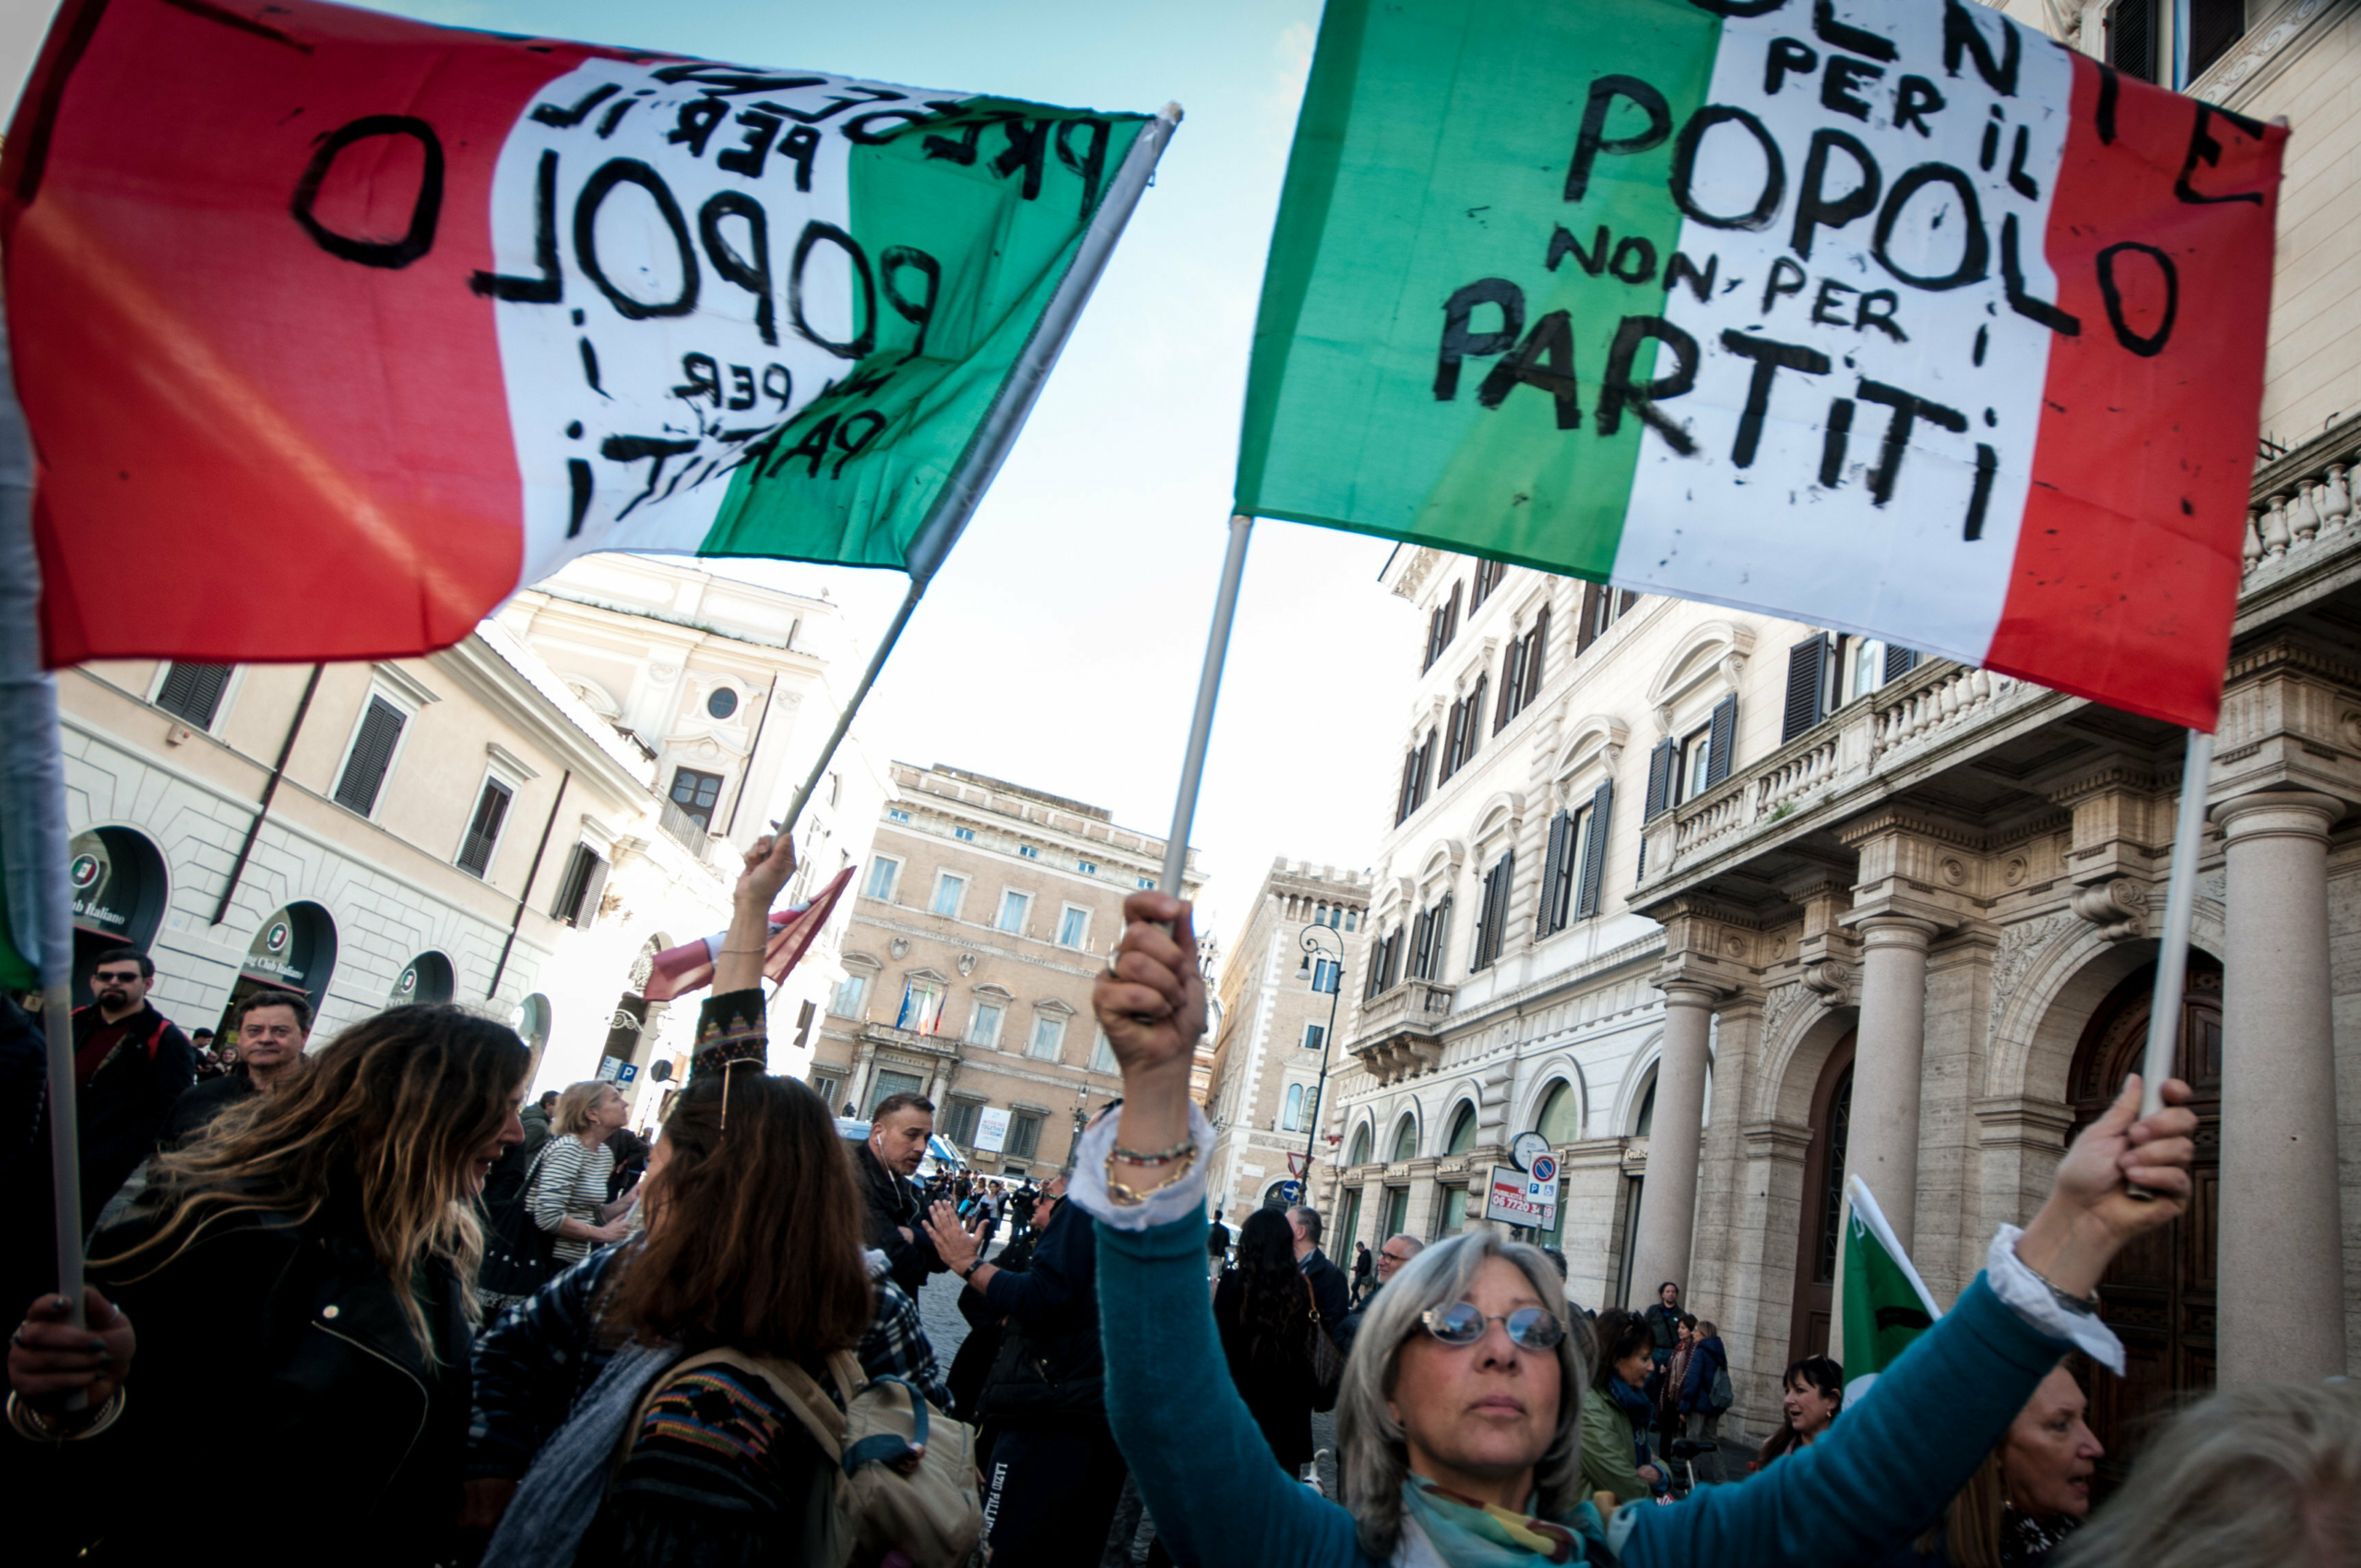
(1182, 1150)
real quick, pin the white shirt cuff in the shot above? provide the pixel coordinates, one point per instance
(1184, 1198)
(2033, 1300)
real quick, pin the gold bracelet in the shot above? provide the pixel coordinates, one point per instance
(32, 1424)
(1128, 1196)
(745, 950)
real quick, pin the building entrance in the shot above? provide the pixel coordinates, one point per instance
(1823, 1206)
(2159, 1297)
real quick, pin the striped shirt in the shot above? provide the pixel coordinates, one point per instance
(572, 1185)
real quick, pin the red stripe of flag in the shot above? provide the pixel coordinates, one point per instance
(252, 447)
(2154, 583)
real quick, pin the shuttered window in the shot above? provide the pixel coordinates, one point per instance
(1590, 877)
(1899, 661)
(1724, 736)
(193, 691)
(1807, 681)
(1492, 918)
(1660, 761)
(483, 828)
(372, 755)
(579, 891)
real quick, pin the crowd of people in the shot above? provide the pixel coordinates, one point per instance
(450, 1327)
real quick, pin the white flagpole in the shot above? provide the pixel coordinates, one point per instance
(1201, 726)
(980, 463)
(2180, 910)
(32, 823)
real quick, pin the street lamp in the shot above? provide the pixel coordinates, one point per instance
(1325, 950)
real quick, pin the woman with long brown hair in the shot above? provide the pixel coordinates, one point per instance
(753, 1246)
(1263, 1311)
(294, 1291)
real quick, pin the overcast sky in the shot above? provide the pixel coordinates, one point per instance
(1060, 648)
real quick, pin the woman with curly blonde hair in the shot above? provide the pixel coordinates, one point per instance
(293, 1290)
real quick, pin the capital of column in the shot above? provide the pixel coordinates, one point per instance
(2277, 814)
(1683, 988)
(1882, 931)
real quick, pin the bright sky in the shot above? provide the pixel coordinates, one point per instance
(1060, 648)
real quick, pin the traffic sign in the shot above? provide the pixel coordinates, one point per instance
(1290, 1192)
(1544, 1168)
(627, 1071)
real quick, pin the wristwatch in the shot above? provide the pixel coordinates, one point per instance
(973, 1264)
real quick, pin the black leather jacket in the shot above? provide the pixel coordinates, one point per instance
(283, 1344)
(893, 1204)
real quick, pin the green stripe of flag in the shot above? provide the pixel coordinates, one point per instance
(1429, 164)
(962, 264)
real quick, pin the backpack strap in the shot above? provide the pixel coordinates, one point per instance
(803, 1398)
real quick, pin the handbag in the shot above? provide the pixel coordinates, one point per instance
(1320, 1352)
(518, 1255)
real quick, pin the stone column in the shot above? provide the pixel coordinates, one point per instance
(1669, 1201)
(2279, 1256)
(1883, 1146)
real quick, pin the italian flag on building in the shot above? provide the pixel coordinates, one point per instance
(1897, 317)
(383, 320)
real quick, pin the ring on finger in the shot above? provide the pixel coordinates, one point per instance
(1112, 958)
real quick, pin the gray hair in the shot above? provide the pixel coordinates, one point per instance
(1375, 1457)
(2264, 1475)
(1308, 1219)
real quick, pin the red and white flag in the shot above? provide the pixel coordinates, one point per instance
(385, 320)
(676, 971)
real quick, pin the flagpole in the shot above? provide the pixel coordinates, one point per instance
(1201, 725)
(2180, 911)
(994, 438)
(32, 826)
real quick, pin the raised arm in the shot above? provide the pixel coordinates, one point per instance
(1217, 1493)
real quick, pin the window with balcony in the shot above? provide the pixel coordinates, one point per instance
(884, 872)
(1015, 908)
(921, 1010)
(1443, 625)
(1384, 965)
(1685, 767)
(1073, 926)
(949, 890)
(1048, 1040)
(2143, 38)
(1827, 671)
(1430, 937)
(695, 794)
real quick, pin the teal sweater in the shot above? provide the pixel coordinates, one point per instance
(1881, 1473)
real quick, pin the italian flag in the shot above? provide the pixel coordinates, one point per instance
(1899, 318)
(333, 329)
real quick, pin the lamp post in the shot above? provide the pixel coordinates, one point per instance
(1323, 946)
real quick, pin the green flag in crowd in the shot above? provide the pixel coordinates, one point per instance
(1884, 1305)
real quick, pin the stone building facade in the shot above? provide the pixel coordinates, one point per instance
(489, 825)
(1285, 987)
(1728, 906)
(984, 914)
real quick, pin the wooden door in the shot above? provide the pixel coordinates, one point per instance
(1823, 1206)
(2159, 1296)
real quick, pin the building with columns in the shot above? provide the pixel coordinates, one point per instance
(1728, 906)
(1284, 986)
(984, 915)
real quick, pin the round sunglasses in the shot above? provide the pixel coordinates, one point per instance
(1460, 1325)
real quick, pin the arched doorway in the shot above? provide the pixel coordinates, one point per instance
(2159, 1296)
(295, 950)
(426, 977)
(118, 883)
(1823, 1205)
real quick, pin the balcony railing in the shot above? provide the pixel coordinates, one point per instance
(1402, 1029)
(910, 1039)
(683, 829)
(2303, 510)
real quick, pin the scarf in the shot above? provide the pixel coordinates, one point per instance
(560, 1495)
(1444, 1529)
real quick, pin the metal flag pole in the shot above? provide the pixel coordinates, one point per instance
(997, 434)
(1201, 726)
(32, 823)
(2180, 909)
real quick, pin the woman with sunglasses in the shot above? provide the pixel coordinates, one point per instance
(1461, 1414)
